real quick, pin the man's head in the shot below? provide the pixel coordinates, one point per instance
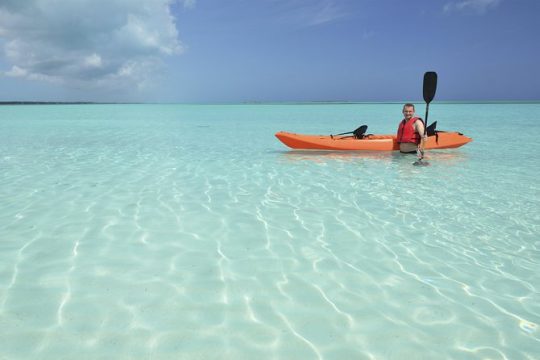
(408, 111)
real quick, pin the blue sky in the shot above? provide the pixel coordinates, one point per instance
(209, 51)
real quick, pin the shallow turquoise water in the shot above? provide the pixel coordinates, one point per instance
(190, 232)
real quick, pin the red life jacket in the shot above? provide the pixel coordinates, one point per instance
(406, 132)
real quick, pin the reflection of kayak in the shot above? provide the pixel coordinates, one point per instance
(440, 140)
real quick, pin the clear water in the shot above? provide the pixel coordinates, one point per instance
(190, 232)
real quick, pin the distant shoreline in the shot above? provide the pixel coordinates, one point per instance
(50, 103)
(272, 103)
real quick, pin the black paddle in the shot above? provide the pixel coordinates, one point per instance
(430, 87)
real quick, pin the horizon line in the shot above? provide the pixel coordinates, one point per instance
(315, 102)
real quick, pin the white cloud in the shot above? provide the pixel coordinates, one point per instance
(93, 60)
(189, 4)
(16, 72)
(88, 43)
(311, 12)
(477, 6)
(325, 12)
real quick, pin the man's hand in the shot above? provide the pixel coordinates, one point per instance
(420, 153)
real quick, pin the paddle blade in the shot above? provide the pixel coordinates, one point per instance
(430, 86)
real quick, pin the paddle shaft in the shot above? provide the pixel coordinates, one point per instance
(425, 124)
(429, 89)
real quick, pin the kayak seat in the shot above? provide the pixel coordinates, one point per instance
(357, 134)
(360, 132)
(431, 129)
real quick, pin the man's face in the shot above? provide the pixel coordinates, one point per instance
(408, 112)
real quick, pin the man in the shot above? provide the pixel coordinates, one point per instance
(410, 135)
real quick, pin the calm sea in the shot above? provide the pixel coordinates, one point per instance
(191, 232)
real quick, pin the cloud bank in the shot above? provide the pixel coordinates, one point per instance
(88, 43)
(476, 6)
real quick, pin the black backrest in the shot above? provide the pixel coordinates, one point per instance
(431, 129)
(359, 133)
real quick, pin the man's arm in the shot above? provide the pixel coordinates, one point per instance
(419, 128)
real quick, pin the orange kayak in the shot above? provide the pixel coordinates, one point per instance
(441, 140)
